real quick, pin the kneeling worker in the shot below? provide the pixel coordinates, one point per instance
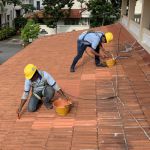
(43, 88)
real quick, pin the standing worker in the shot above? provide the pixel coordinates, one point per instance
(93, 40)
(43, 88)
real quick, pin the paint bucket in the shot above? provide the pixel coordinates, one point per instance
(110, 62)
(62, 107)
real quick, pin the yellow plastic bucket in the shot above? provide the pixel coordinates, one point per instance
(110, 62)
(62, 107)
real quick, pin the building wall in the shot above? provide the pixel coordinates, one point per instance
(35, 4)
(69, 28)
(10, 13)
(138, 7)
(140, 30)
(77, 5)
(7, 16)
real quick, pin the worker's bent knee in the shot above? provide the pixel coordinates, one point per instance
(49, 92)
(31, 109)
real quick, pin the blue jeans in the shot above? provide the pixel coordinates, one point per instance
(81, 47)
(47, 96)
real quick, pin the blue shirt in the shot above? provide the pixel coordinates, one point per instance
(94, 38)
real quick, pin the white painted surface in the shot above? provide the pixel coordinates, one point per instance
(8, 11)
(146, 38)
(138, 7)
(77, 5)
(125, 21)
(134, 28)
(49, 31)
(61, 29)
(69, 28)
(86, 14)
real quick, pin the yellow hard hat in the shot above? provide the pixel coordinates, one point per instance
(29, 71)
(109, 37)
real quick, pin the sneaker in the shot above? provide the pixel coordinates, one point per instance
(72, 69)
(101, 65)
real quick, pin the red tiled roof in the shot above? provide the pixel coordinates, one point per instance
(75, 13)
(91, 124)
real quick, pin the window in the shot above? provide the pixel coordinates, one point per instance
(38, 5)
(8, 16)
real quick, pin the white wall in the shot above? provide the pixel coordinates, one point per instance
(125, 21)
(8, 10)
(146, 39)
(50, 31)
(86, 14)
(138, 7)
(69, 28)
(62, 28)
(134, 28)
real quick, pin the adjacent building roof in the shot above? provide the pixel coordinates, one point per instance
(74, 13)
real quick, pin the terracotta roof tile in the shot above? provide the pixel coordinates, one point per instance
(93, 123)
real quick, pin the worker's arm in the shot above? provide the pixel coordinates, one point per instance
(23, 101)
(96, 44)
(53, 83)
(101, 54)
(103, 50)
(60, 91)
(24, 97)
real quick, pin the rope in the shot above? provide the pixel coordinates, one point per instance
(77, 97)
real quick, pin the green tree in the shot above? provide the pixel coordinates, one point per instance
(15, 2)
(19, 22)
(103, 12)
(54, 12)
(30, 31)
(28, 7)
(81, 2)
(82, 9)
(116, 4)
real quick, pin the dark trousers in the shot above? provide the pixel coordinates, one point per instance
(81, 47)
(47, 96)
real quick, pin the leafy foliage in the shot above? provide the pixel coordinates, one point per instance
(28, 7)
(103, 12)
(15, 2)
(30, 31)
(6, 32)
(81, 2)
(54, 11)
(19, 23)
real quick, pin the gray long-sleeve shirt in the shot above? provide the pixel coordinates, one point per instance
(39, 84)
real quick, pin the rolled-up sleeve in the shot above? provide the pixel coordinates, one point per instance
(27, 87)
(51, 81)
